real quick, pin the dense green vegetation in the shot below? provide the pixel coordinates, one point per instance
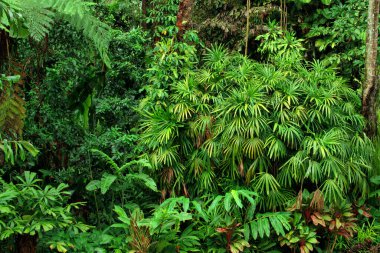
(189, 126)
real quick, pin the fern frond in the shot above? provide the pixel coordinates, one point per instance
(145, 179)
(71, 7)
(38, 17)
(38, 20)
(12, 113)
(95, 30)
(105, 157)
(77, 13)
(10, 16)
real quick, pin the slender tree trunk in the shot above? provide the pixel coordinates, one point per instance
(184, 16)
(370, 85)
(5, 48)
(144, 9)
(26, 243)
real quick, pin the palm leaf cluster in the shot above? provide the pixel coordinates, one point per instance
(275, 127)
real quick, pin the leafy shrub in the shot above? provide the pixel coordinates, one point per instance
(27, 210)
(213, 224)
(275, 127)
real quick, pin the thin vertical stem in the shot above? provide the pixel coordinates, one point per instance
(96, 200)
(333, 246)
(247, 27)
(281, 25)
(285, 16)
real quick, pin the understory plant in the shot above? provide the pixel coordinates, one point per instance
(28, 210)
(217, 223)
(120, 179)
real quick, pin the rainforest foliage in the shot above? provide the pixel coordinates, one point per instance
(189, 126)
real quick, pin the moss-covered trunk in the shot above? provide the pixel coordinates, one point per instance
(371, 79)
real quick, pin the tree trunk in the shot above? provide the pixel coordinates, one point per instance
(184, 17)
(26, 243)
(5, 48)
(370, 85)
(144, 9)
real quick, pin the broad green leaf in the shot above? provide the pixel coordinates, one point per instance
(235, 195)
(28, 146)
(294, 240)
(227, 201)
(61, 248)
(254, 229)
(93, 185)
(260, 227)
(375, 180)
(198, 207)
(215, 203)
(121, 214)
(266, 226)
(147, 180)
(106, 182)
(186, 203)
(277, 225)
(247, 231)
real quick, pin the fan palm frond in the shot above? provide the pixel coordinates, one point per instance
(253, 148)
(272, 125)
(276, 148)
(314, 172)
(259, 165)
(332, 191)
(277, 199)
(293, 169)
(265, 184)
(216, 57)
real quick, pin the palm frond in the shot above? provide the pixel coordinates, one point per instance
(253, 148)
(265, 184)
(293, 169)
(276, 148)
(332, 191)
(216, 57)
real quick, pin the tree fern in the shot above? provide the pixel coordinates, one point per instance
(12, 114)
(38, 17)
(12, 111)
